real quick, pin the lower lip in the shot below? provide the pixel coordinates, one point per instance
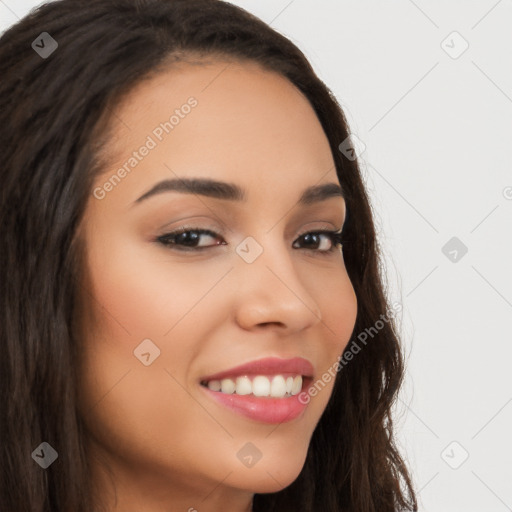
(264, 409)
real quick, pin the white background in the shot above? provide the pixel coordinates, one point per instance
(437, 163)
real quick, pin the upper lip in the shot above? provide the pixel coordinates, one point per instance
(267, 366)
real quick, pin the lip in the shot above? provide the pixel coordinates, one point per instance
(263, 409)
(267, 366)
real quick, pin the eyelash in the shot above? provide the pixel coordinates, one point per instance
(169, 239)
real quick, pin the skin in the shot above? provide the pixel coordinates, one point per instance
(168, 445)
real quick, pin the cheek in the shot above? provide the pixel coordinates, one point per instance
(342, 311)
(146, 293)
(338, 303)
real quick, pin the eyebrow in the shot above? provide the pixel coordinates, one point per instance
(232, 192)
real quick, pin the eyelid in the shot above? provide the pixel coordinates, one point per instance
(324, 226)
(215, 231)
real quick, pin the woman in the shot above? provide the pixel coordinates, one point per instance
(186, 257)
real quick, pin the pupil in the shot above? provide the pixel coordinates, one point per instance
(188, 238)
(309, 238)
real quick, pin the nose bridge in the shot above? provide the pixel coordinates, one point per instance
(269, 289)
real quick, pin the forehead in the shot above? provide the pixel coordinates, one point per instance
(247, 125)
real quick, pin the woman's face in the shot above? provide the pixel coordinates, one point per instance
(161, 314)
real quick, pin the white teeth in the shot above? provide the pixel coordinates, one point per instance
(260, 386)
(227, 386)
(297, 385)
(214, 385)
(243, 386)
(276, 386)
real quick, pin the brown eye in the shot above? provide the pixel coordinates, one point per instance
(189, 239)
(319, 240)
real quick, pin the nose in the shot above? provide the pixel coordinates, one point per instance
(270, 292)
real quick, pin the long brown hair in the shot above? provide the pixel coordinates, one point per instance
(52, 110)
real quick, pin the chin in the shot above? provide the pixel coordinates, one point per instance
(270, 477)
